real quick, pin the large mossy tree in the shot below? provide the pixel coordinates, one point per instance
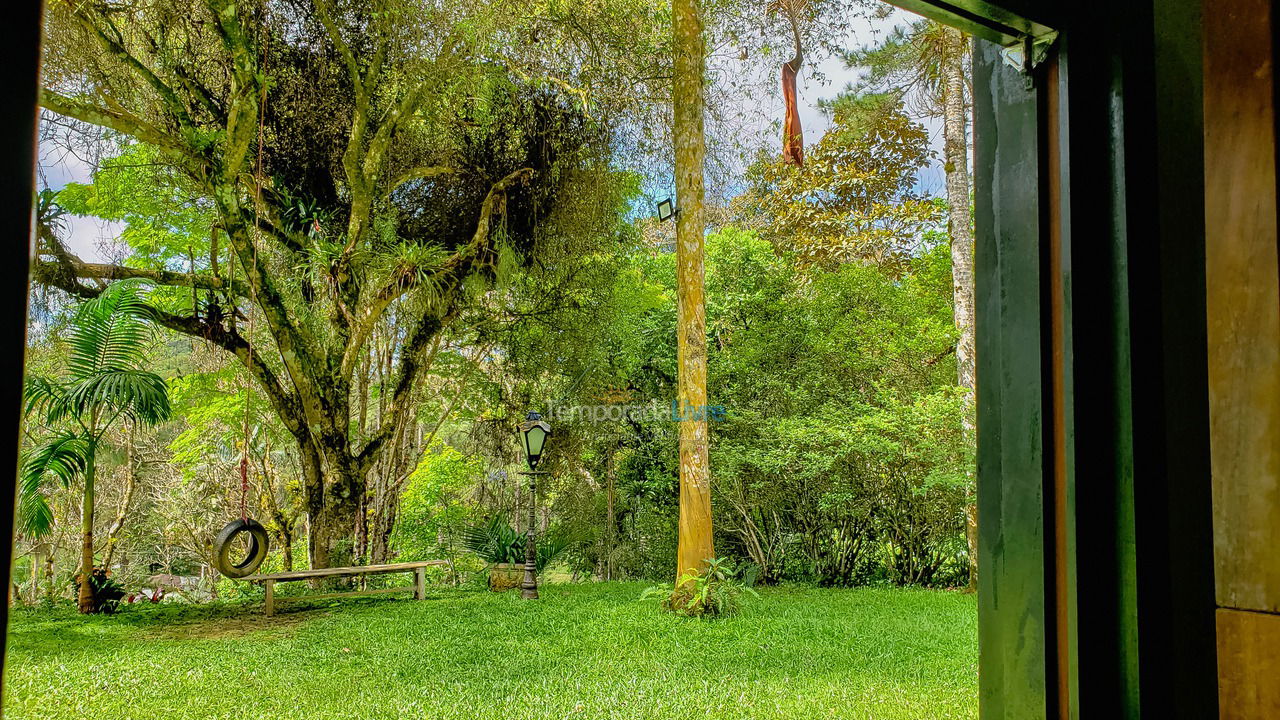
(360, 165)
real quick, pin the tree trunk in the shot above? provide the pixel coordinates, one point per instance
(343, 506)
(35, 576)
(611, 523)
(283, 522)
(130, 484)
(695, 539)
(286, 540)
(86, 535)
(956, 149)
(48, 575)
(362, 400)
(360, 546)
(319, 538)
(387, 493)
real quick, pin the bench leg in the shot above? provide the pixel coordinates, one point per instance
(420, 584)
(271, 597)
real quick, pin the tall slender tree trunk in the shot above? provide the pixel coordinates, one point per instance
(49, 592)
(35, 576)
(130, 485)
(956, 148)
(362, 392)
(695, 542)
(86, 534)
(284, 524)
(611, 521)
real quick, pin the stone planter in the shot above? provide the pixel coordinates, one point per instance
(505, 576)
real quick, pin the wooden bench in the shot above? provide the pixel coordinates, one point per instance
(419, 587)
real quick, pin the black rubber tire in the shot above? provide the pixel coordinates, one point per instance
(259, 543)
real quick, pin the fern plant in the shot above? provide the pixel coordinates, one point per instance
(716, 592)
(103, 384)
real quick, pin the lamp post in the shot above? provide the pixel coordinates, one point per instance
(533, 432)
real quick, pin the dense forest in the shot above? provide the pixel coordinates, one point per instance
(354, 253)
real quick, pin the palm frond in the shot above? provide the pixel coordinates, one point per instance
(550, 546)
(109, 332)
(138, 395)
(63, 456)
(495, 541)
(45, 398)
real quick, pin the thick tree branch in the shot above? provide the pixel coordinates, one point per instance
(418, 173)
(325, 11)
(362, 173)
(449, 274)
(242, 113)
(285, 403)
(412, 359)
(202, 94)
(176, 107)
(115, 119)
(301, 359)
(103, 271)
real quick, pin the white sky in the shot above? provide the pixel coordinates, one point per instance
(93, 239)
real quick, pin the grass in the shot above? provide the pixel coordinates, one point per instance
(583, 651)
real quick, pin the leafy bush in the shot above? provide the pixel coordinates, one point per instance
(432, 511)
(497, 542)
(843, 458)
(107, 593)
(717, 592)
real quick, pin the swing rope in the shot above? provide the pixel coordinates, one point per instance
(259, 542)
(253, 285)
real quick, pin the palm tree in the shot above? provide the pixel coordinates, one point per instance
(927, 63)
(103, 384)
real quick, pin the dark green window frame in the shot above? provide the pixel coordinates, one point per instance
(1095, 510)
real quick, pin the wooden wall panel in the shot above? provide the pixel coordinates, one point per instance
(1243, 302)
(1243, 277)
(1248, 665)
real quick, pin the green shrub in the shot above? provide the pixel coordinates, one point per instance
(717, 592)
(107, 593)
(432, 511)
(497, 542)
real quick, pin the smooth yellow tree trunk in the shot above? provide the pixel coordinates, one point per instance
(695, 547)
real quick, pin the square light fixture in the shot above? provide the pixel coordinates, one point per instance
(666, 210)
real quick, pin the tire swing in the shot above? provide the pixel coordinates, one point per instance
(225, 543)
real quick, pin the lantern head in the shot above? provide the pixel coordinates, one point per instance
(534, 432)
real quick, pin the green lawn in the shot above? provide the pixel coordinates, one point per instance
(583, 651)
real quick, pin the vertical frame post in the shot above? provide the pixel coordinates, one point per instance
(20, 57)
(1012, 622)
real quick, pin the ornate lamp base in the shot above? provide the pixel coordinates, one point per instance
(529, 588)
